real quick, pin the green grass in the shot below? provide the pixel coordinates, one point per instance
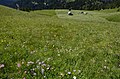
(88, 46)
(45, 12)
(114, 18)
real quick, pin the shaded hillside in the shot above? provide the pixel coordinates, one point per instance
(9, 3)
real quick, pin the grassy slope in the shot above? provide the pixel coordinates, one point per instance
(112, 15)
(91, 46)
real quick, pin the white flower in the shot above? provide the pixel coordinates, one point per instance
(25, 72)
(74, 70)
(30, 62)
(37, 61)
(105, 67)
(44, 65)
(32, 52)
(105, 60)
(69, 73)
(40, 63)
(48, 68)
(44, 76)
(34, 74)
(48, 59)
(62, 74)
(42, 71)
(33, 69)
(74, 77)
(38, 67)
(22, 62)
(2, 65)
(58, 54)
(79, 71)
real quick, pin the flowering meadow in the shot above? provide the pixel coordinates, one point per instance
(49, 44)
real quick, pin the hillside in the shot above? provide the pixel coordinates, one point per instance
(52, 45)
(9, 3)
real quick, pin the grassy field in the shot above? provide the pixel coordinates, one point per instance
(49, 44)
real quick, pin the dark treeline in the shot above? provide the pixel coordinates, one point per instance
(65, 4)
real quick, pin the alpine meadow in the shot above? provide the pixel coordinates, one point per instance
(49, 44)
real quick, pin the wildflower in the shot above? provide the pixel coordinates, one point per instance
(105, 60)
(44, 65)
(38, 67)
(58, 54)
(25, 72)
(18, 65)
(42, 71)
(48, 68)
(24, 78)
(61, 74)
(22, 62)
(40, 63)
(74, 70)
(37, 61)
(34, 74)
(2, 65)
(65, 70)
(74, 77)
(79, 71)
(30, 62)
(44, 76)
(105, 67)
(32, 52)
(33, 69)
(48, 59)
(69, 73)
